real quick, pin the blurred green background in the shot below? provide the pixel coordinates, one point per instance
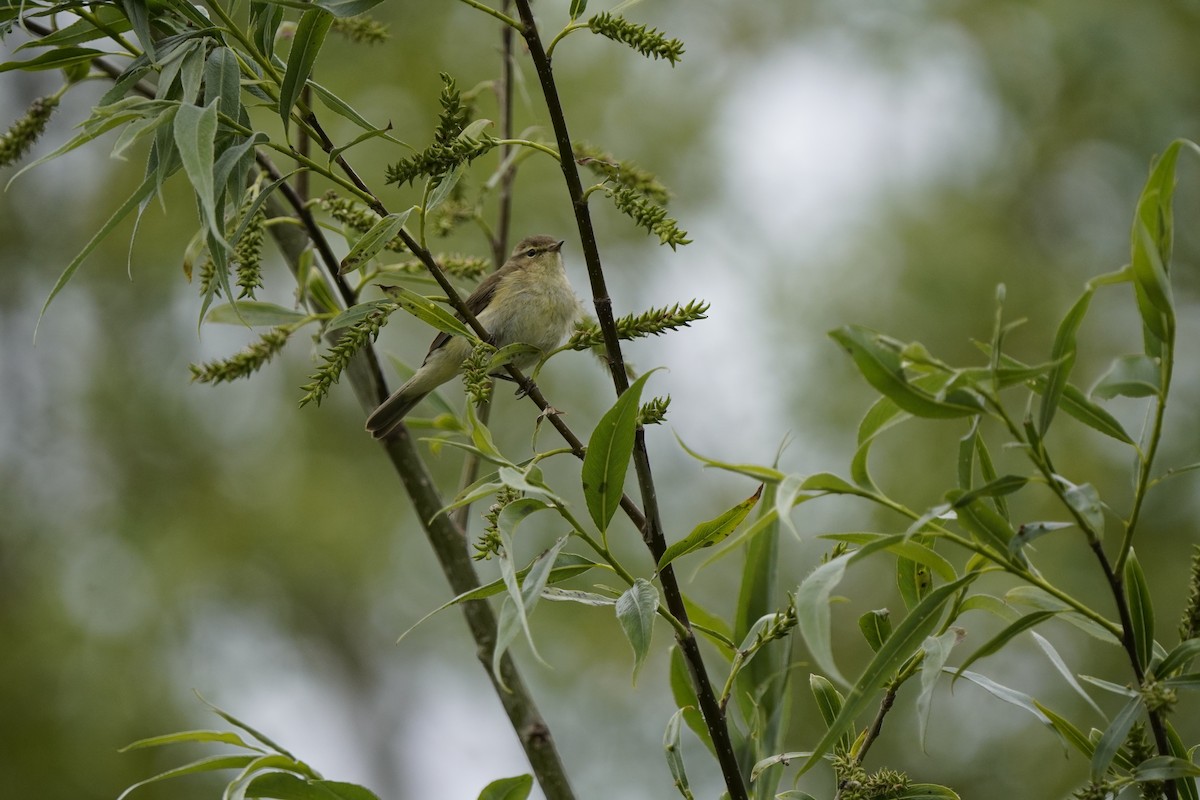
(881, 163)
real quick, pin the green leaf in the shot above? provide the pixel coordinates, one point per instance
(904, 641)
(1064, 354)
(254, 313)
(882, 367)
(428, 312)
(222, 82)
(1067, 731)
(131, 203)
(1085, 500)
(715, 530)
(876, 627)
(340, 107)
(347, 8)
(635, 611)
(55, 59)
(1033, 530)
(1179, 659)
(306, 44)
(566, 566)
(195, 132)
(900, 544)
(829, 700)
(925, 791)
(355, 314)
(1114, 736)
(1165, 768)
(1075, 403)
(209, 764)
(1002, 638)
(608, 452)
(813, 613)
(83, 30)
(1063, 670)
(517, 788)
(577, 8)
(1010, 696)
(982, 521)
(764, 474)
(578, 596)
(1001, 486)
(770, 761)
(881, 416)
(674, 755)
(225, 737)
(937, 651)
(1130, 376)
(1039, 598)
(1141, 610)
(684, 694)
(522, 596)
(373, 241)
(286, 786)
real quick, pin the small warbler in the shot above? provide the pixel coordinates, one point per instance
(527, 300)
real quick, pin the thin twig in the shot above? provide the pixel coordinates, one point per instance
(652, 531)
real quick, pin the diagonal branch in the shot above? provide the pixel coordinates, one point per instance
(652, 530)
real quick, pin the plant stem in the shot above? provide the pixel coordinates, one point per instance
(507, 20)
(652, 531)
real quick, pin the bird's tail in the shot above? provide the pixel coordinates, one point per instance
(391, 412)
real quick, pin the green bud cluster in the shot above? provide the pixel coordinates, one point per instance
(438, 159)
(855, 783)
(245, 363)
(489, 543)
(456, 264)
(362, 29)
(648, 215)
(15, 143)
(654, 412)
(1139, 748)
(356, 217)
(453, 212)
(475, 373)
(623, 173)
(647, 41)
(354, 339)
(449, 148)
(247, 253)
(649, 323)
(209, 282)
(1189, 624)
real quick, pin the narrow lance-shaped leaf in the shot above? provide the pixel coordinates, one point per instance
(195, 132)
(876, 627)
(1000, 639)
(1114, 736)
(1130, 376)
(428, 311)
(882, 368)
(1064, 354)
(715, 530)
(675, 755)
(1141, 611)
(608, 452)
(937, 651)
(635, 611)
(306, 44)
(813, 614)
(373, 241)
(904, 641)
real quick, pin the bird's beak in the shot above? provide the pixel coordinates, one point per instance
(558, 246)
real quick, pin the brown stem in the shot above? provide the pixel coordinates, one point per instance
(652, 530)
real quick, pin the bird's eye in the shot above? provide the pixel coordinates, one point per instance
(530, 253)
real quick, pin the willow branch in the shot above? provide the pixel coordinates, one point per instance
(652, 531)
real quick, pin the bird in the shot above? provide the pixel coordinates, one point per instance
(528, 300)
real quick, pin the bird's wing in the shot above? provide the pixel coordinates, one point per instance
(476, 303)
